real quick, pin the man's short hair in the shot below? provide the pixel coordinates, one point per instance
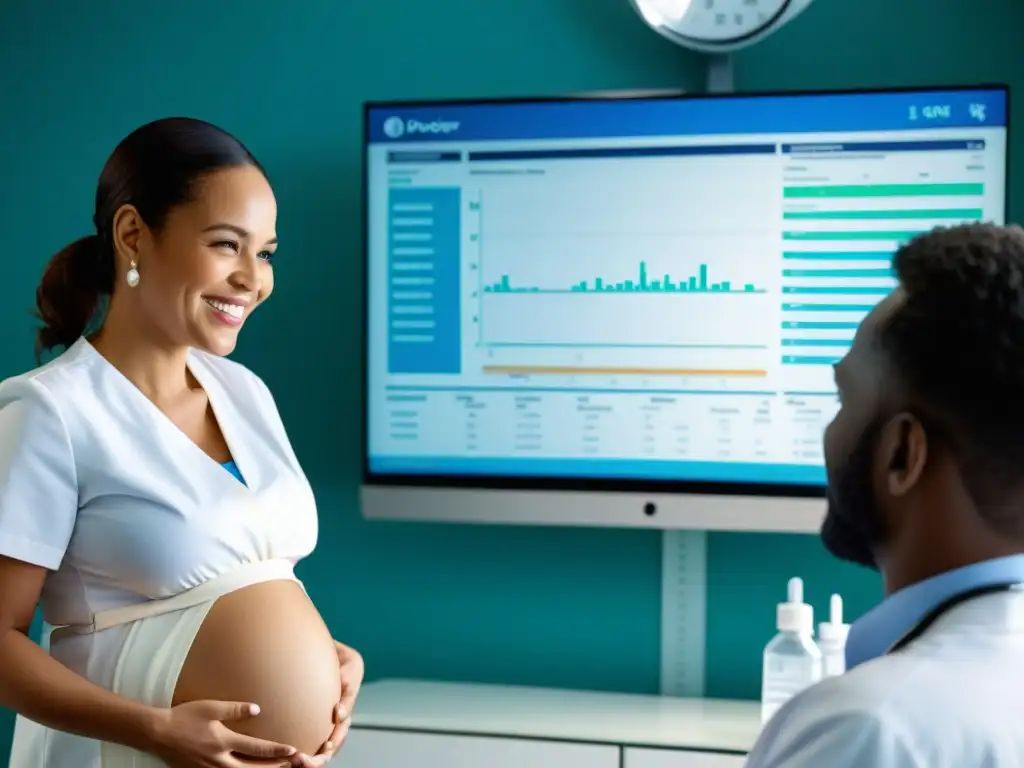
(956, 344)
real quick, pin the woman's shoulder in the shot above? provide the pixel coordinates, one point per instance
(52, 384)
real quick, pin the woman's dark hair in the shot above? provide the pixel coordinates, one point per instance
(155, 168)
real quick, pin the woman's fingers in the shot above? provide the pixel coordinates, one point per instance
(335, 738)
(315, 761)
(225, 711)
(341, 732)
(348, 700)
(230, 761)
(250, 746)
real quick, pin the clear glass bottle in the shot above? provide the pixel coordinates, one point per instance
(792, 660)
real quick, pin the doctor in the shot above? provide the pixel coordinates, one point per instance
(926, 484)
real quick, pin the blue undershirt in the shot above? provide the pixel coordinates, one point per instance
(231, 467)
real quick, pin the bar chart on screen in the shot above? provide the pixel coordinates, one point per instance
(592, 273)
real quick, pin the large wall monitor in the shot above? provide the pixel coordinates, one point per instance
(626, 312)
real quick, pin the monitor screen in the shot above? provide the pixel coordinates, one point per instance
(599, 293)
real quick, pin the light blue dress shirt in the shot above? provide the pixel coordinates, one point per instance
(876, 631)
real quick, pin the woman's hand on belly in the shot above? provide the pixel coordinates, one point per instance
(194, 735)
(352, 671)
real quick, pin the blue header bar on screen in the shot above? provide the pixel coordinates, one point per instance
(802, 113)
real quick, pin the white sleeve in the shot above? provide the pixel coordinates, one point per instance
(797, 738)
(38, 483)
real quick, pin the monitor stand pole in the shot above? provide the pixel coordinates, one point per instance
(720, 73)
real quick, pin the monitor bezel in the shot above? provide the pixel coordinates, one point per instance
(711, 491)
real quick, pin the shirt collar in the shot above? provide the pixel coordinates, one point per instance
(876, 631)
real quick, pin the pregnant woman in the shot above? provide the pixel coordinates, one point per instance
(150, 500)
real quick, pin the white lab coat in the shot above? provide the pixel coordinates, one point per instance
(954, 698)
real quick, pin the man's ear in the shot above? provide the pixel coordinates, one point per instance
(903, 453)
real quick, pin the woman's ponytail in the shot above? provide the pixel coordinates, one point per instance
(69, 294)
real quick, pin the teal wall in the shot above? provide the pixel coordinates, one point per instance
(555, 607)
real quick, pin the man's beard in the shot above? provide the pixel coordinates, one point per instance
(853, 524)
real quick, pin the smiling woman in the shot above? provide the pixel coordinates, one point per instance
(229, 308)
(207, 265)
(149, 496)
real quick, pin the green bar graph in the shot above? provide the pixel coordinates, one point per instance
(845, 235)
(642, 283)
(884, 190)
(840, 273)
(955, 214)
(884, 256)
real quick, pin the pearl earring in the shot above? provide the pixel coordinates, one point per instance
(133, 275)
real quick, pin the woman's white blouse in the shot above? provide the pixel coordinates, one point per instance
(101, 488)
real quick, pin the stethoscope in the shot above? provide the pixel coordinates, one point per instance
(946, 606)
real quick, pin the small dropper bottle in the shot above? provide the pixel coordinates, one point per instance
(832, 639)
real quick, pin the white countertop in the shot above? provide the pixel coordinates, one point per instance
(547, 713)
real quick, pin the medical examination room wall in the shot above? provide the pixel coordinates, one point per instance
(558, 607)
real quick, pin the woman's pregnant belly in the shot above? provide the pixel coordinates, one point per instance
(267, 644)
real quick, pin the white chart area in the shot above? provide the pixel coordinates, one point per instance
(606, 262)
(671, 316)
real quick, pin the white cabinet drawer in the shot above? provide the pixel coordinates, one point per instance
(666, 758)
(367, 748)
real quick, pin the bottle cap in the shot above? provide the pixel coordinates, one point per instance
(795, 615)
(834, 630)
